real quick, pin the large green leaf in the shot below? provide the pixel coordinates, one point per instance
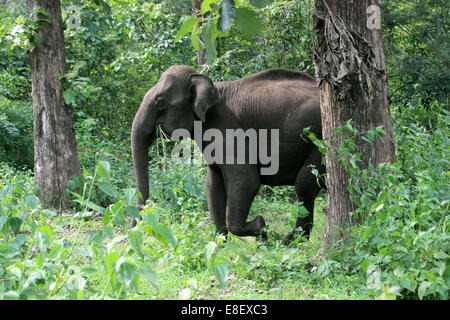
(195, 40)
(133, 212)
(103, 169)
(136, 238)
(148, 274)
(227, 14)
(187, 26)
(209, 36)
(109, 189)
(247, 22)
(130, 196)
(206, 6)
(158, 230)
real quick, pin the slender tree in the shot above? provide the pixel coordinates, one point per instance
(55, 148)
(350, 66)
(201, 54)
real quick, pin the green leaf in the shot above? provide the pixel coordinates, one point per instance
(37, 38)
(195, 40)
(5, 44)
(210, 248)
(95, 207)
(206, 6)
(44, 237)
(377, 206)
(16, 272)
(220, 270)
(302, 212)
(110, 262)
(39, 260)
(158, 230)
(227, 14)
(32, 200)
(69, 97)
(247, 22)
(422, 289)
(133, 212)
(130, 196)
(136, 238)
(103, 169)
(109, 189)
(148, 274)
(187, 26)
(55, 252)
(15, 224)
(78, 65)
(167, 234)
(209, 36)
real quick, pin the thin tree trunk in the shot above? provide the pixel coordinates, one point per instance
(353, 82)
(55, 148)
(201, 54)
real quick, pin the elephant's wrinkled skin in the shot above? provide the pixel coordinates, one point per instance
(271, 99)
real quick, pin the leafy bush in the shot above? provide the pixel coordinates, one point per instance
(96, 142)
(402, 244)
(405, 242)
(36, 262)
(16, 133)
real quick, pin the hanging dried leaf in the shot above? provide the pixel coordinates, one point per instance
(343, 56)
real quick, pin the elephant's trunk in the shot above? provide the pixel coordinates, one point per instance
(142, 136)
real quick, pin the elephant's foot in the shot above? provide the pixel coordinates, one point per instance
(250, 228)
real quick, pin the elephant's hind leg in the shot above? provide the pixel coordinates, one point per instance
(242, 184)
(307, 188)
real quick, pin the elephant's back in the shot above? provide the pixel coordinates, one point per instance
(274, 98)
(279, 74)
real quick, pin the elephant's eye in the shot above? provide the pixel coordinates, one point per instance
(160, 102)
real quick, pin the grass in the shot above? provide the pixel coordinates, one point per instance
(400, 251)
(275, 272)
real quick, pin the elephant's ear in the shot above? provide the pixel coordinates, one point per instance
(205, 95)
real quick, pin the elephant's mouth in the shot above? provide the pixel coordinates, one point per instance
(161, 133)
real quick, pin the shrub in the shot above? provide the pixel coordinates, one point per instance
(16, 133)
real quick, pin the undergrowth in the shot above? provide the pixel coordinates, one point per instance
(400, 250)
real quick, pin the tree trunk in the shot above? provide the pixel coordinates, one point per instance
(350, 67)
(201, 54)
(55, 148)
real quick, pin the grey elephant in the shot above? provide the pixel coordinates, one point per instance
(276, 100)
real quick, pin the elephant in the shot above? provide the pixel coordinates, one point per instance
(274, 99)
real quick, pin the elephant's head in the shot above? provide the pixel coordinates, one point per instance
(180, 97)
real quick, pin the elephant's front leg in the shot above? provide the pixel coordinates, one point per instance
(242, 184)
(216, 194)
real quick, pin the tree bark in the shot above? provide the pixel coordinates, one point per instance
(201, 54)
(55, 148)
(350, 67)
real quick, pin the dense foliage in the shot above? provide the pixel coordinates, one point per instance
(400, 250)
